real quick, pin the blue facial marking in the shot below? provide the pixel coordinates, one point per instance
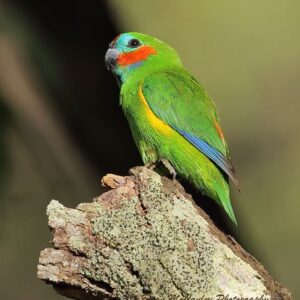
(122, 42)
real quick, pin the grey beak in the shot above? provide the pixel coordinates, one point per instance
(111, 58)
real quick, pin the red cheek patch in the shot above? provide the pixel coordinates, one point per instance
(136, 56)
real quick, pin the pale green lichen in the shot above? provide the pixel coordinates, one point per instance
(145, 254)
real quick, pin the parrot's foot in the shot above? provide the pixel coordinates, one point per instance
(150, 165)
(169, 167)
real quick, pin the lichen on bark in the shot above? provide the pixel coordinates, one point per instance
(146, 239)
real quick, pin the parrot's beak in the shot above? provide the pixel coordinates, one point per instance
(111, 58)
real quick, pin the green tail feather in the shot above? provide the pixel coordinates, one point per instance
(228, 208)
(225, 202)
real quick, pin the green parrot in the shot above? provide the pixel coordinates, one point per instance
(172, 118)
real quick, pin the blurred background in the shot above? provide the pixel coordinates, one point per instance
(62, 128)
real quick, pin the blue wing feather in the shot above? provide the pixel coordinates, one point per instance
(216, 156)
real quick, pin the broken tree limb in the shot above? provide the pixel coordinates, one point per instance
(146, 239)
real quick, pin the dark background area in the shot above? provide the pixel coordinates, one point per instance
(62, 128)
(77, 34)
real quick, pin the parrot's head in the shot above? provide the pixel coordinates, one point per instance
(136, 54)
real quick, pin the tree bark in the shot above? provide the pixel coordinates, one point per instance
(146, 239)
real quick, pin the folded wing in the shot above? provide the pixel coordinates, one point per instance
(180, 101)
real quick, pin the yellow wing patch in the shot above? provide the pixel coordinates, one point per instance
(152, 118)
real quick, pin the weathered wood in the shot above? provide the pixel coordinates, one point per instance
(146, 239)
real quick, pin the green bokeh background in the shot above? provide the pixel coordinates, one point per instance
(247, 54)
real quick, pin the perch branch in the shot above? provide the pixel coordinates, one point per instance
(146, 239)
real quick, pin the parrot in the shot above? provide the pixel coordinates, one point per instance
(172, 119)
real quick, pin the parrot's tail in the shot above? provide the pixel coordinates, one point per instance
(225, 202)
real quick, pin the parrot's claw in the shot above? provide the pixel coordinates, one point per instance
(150, 165)
(169, 167)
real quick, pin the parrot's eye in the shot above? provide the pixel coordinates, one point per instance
(134, 43)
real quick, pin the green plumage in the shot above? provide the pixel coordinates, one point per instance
(171, 117)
